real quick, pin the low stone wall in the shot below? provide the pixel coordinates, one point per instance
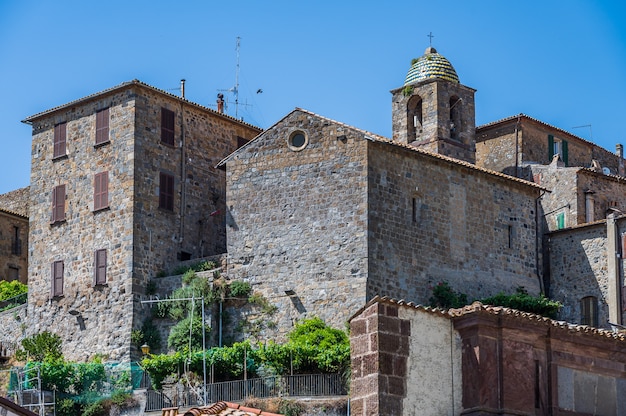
(13, 324)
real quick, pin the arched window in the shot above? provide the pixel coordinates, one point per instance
(414, 122)
(455, 117)
(589, 311)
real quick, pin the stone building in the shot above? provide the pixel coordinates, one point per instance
(480, 360)
(122, 187)
(323, 216)
(14, 235)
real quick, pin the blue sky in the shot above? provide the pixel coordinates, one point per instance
(563, 62)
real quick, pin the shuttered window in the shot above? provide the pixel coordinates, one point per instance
(166, 191)
(102, 126)
(59, 140)
(560, 220)
(167, 126)
(101, 191)
(100, 269)
(557, 146)
(58, 204)
(57, 279)
(589, 311)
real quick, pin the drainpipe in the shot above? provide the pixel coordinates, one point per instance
(613, 260)
(183, 172)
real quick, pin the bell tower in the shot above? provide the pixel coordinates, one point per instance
(433, 110)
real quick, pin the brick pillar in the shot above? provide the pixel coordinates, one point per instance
(379, 343)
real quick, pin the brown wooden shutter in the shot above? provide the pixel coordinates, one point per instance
(58, 203)
(57, 278)
(100, 273)
(102, 126)
(167, 126)
(59, 140)
(101, 191)
(166, 191)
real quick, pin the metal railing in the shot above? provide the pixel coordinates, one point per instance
(13, 302)
(235, 391)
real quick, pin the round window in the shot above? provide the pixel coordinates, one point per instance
(298, 140)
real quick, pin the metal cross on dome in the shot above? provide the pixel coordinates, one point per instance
(431, 36)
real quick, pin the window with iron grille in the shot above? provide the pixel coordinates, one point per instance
(100, 269)
(167, 126)
(101, 191)
(58, 204)
(57, 279)
(102, 126)
(59, 140)
(166, 191)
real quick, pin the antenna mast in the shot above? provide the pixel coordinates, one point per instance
(236, 88)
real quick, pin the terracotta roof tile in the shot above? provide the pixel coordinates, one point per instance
(478, 307)
(222, 409)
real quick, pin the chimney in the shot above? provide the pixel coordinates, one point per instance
(220, 103)
(619, 151)
(182, 88)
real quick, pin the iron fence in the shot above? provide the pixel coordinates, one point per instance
(234, 391)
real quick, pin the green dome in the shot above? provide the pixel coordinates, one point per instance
(431, 65)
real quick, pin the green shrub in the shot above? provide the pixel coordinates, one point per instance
(240, 289)
(522, 301)
(444, 297)
(11, 289)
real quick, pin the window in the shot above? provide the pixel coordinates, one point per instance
(166, 191)
(167, 126)
(14, 273)
(102, 126)
(414, 112)
(455, 117)
(58, 204)
(101, 191)
(59, 140)
(557, 146)
(589, 311)
(241, 141)
(510, 236)
(560, 220)
(57, 279)
(297, 140)
(16, 246)
(100, 268)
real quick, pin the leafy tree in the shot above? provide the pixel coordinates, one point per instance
(44, 346)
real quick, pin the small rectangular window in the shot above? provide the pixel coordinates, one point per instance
(59, 140)
(100, 268)
(510, 234)
(241, 141)
(166, 191)
(167, 126)
(101, 191)
(14, 274)
(57, 279)
(414, 210)
(102, 126)
(589, 311)
(58, 204)
(16, 246)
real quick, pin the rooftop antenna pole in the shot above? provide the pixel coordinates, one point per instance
(236, 89)
(586, 125)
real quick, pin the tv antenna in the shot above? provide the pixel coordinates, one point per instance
(235, 89)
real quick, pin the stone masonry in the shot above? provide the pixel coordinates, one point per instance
(139, 237)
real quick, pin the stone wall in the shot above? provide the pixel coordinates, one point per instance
(563, 195)
(140, 238)
(13, 323)
(16, 201)
(90, 319)
(435, 134)
(434, 220)
(496, 146)
(13, 247)
(297, 220)
(579, 267)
